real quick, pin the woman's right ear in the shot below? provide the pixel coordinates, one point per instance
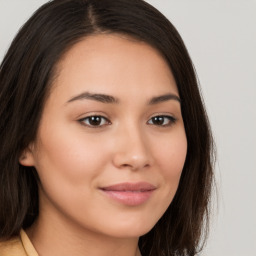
(27, 157)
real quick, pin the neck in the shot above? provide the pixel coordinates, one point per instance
(52, 238)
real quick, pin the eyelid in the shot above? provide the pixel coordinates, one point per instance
(172, 119)
(82, 120)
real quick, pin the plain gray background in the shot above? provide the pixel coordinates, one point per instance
(221, 38)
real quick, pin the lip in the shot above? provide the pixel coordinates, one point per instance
(131, 194)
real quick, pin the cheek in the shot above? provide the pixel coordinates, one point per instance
(68, 166)
(170, 155)
(172, 152)
(69, 158)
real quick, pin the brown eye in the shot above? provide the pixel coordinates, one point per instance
(95, 121)
(162, 120)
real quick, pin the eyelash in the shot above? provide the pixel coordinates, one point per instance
(94, 118)
(167, 121)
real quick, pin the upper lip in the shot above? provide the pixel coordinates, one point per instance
(130, 186)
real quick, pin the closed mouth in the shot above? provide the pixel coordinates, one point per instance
(130, 194)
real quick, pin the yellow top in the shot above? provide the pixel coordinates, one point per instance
(18, 246)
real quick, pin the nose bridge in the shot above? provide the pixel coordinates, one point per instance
(132, 147)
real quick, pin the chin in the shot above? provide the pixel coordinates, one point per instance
(131, 231)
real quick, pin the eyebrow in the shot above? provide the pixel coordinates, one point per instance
(95, 96)
(104, 98)
(163, 98)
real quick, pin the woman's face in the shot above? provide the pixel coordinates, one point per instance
(111, 142)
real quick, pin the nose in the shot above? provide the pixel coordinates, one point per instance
(132, 150)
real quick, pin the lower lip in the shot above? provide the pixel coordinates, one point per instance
(130, 198)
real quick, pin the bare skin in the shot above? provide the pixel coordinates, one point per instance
(113, 116)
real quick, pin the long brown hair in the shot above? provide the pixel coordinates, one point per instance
(26, 74)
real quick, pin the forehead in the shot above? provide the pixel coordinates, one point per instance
(114, 63)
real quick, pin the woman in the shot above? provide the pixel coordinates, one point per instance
(105, 144)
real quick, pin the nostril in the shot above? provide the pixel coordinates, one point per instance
(135, 166)
(132, 153)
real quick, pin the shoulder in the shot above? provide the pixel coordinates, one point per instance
(12, 247)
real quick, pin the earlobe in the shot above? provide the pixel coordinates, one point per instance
(27, 158)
